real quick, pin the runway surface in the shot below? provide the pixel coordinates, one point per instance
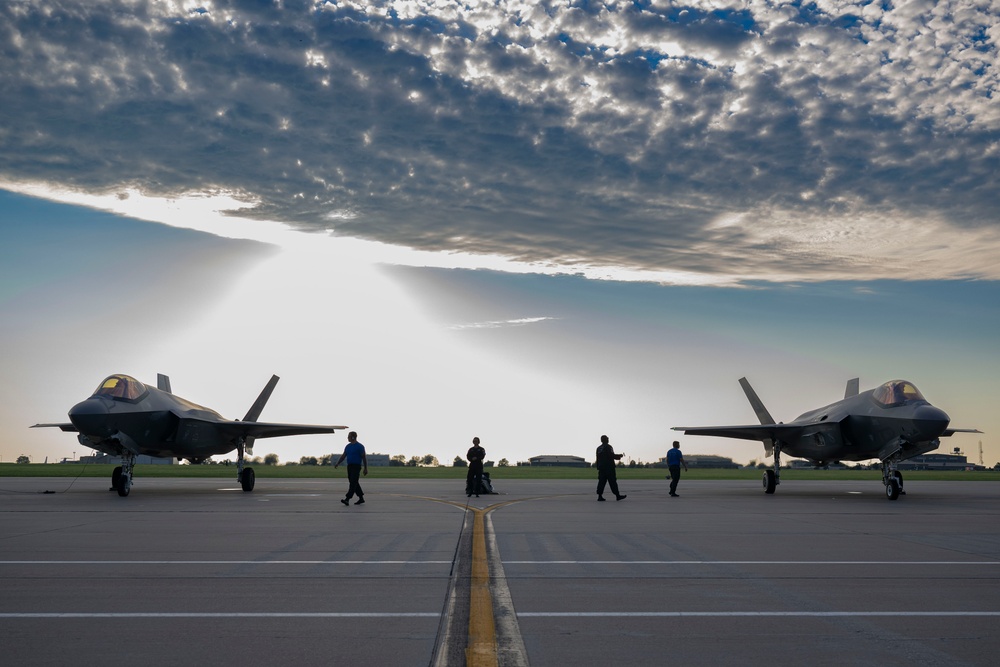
(196, 571)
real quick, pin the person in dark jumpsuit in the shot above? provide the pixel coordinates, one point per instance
(606, 473)
(474, 479)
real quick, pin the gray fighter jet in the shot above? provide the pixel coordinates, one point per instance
(126, 418)
(892, 423)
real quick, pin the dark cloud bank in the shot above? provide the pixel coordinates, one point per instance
(696, 137)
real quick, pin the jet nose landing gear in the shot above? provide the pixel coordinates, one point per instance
(892, 478)
(121, 477)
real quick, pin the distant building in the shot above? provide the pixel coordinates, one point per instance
(377, 460)
(702, 461)
(939, 462)
(802, 464)
(559, 460)
(117, 460)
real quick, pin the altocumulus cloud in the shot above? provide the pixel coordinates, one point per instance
(499, 324)
(751, 139)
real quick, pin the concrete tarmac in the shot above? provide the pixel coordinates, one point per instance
(196, 571)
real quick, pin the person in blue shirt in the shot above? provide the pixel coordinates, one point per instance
(675, 459)
(354, 452)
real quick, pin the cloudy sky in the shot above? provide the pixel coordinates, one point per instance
(534, 222)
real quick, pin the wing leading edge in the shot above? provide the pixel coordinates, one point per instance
(948, 432)
(235, 429)
(69, 428)
(766, 433)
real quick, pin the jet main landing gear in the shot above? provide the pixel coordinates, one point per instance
(247, 479)
(244, 474)
(772, 478)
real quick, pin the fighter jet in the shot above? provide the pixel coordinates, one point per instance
(892, 423)
(126, 418)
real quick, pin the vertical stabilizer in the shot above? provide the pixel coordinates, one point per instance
(758, 407)
(258, 405)
(852, 388)
(762, 414)
(163, 383)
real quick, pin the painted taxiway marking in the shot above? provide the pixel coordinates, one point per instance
(717, 614)
(225, 562)
(481, 650)
(528, 614)
(894, 563)
(197, 614)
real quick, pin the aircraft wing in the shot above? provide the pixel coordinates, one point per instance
(761, 432)
(69, 428)
(269, 430)
(953, 431)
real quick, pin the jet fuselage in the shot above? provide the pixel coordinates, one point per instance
(866, 428)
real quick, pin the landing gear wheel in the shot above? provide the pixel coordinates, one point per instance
(892, 488)
(116, 476)
(247, 479)
(124, 485)
(769, 481)
(898, 476)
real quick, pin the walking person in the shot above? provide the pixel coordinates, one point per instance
(474, 479)
(675, 459)
(606, 473)
(356, 457)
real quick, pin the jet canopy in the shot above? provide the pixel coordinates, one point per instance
(897, 392)
(121, 386)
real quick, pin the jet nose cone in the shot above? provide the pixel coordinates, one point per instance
(90, 417)
(931, 421)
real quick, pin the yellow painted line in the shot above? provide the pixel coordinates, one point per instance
(481, 650)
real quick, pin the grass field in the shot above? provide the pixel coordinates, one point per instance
(514, 472)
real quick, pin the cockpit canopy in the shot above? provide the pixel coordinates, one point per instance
(121, 386)
(897, 392)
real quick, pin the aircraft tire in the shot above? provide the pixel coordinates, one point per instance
(892, 489)
(247, 480)
(116, 476)
(124, 485)
(769, 481)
